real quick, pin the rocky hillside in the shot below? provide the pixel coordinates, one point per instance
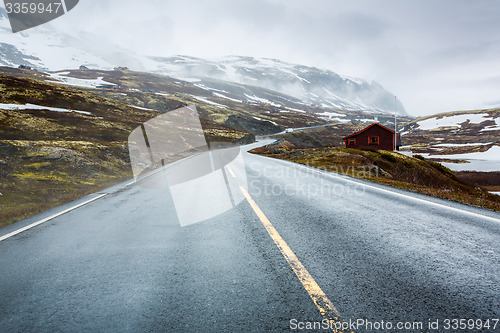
(254, 109)
(58, 143)
(454, 133)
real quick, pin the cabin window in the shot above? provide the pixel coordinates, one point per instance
(373, 140)
(351, 141)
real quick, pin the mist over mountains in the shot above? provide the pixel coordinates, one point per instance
(311, 85)
(45, 48)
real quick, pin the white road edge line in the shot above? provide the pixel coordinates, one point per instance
(396, 193)
(18, 231)
(413, 198)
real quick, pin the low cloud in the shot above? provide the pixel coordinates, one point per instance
(415, 49)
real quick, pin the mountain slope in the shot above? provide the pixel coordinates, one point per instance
(59, 143)
(42, 47)
(248, 108)
(311, 85)
(45, 48)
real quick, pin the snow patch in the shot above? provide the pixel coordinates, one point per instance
(492, 154)
(226, 97)
(203, 99)
(296, 110)
(262, 119)
(61, 78)
(39, 107)
(189, 79)
(452, 121)
(140, 107)
(331, 114)
(334, 116)
(353, 79)
(204, 87)
(201, 86)
(480, 161)
(462, 144)
(262, 100)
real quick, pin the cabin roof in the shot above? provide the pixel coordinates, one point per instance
(374, 124)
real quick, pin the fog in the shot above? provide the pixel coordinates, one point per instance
(435, 56)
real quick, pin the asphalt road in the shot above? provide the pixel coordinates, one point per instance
(123, 263)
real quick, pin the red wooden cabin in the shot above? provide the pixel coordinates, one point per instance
(374, 136)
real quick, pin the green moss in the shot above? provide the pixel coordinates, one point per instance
(60, 177)
(38, 165)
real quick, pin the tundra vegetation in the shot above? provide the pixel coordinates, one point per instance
(415, 174)
(49, 157)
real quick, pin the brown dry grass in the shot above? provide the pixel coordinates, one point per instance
(26, 203)
(489, 181)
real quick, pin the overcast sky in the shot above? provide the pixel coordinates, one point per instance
(434, 55)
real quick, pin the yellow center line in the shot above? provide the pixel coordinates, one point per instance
(324, 305)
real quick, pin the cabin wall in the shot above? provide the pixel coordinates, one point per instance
(386, 139)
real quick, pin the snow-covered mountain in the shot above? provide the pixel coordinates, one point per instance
(311, 85)
(42, 48)
(48, 49)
